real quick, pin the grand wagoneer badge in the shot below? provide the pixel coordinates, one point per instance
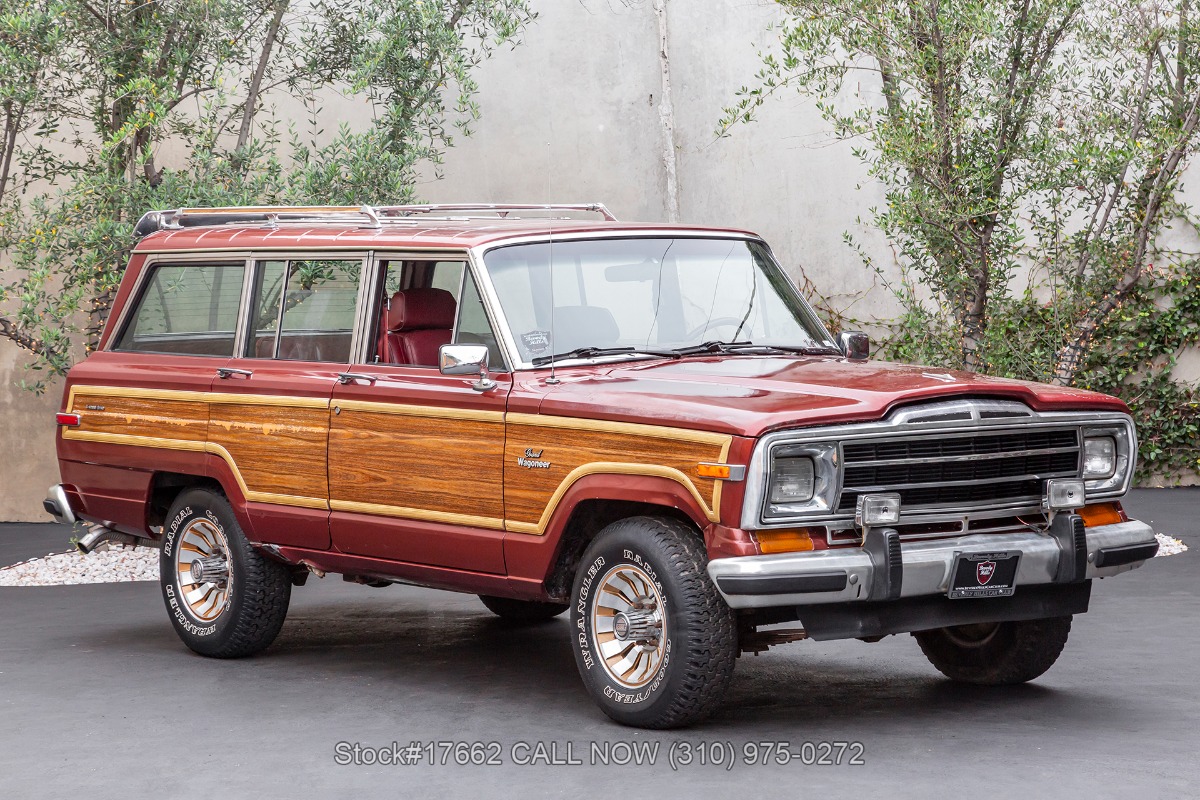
(531, 460)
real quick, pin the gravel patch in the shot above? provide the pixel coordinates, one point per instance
(1169, 545)
(119, 563)
(115, 564)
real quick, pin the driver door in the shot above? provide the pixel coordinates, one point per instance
(416, 457)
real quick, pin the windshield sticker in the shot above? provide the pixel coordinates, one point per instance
(536, 341)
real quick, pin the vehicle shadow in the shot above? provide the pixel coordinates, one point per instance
(455, 656)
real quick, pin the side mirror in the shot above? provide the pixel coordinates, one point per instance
(466, 359)
(855, 344)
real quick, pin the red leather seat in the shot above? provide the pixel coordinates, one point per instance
(419, 322)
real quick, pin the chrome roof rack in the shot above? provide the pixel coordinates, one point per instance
(501, 210)
(176, 219)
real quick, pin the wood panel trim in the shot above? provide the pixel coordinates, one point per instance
(528, 420)
(628, 428)
(199, 447)
(433, 412)
(181, 395)
(424, 515)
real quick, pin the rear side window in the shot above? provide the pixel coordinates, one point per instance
(189, 309)
(304, 309)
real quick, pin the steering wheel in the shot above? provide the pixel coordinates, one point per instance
(719, 322)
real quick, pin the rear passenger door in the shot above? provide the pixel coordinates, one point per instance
(416, 457)
(269, 417)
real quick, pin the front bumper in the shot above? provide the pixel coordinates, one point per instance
(848, 575)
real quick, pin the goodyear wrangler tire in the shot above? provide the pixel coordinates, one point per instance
(996, 654)
(654, 641)
(224, 598)
(522, 611)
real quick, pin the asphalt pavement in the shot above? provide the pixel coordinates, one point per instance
(99, 699)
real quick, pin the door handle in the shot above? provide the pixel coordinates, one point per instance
(348, 377)
(225, 372)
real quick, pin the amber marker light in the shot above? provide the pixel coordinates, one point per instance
(791, 540)
(70, 420)
(721, 472)
(1101, 514)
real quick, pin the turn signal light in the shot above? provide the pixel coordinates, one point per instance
(785, 541)
(721, 472)
(70, 420)
(1101, 514)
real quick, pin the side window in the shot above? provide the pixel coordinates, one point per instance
(304, 309)
(425, 305)
(189, 309)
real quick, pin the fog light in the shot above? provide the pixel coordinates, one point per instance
(1099, 457)
(792, 480)
(877, 509)
(1063, 494)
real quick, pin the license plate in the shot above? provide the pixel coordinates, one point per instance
(984, 575)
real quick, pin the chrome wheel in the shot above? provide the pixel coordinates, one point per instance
(202, 570)
(628, 626)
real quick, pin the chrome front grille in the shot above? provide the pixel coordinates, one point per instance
(956, 464)
(969, 469)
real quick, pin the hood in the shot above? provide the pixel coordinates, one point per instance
(752, 395)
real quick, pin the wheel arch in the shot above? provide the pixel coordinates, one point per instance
(166, 486)
(591, 504)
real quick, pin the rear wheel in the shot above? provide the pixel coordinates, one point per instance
(522, 610)
(225, 599)
(996, 653)
(654, 641)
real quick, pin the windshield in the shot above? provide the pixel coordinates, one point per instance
(654, 295)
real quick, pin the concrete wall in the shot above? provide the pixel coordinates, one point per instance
(576, 113)
(27, 465)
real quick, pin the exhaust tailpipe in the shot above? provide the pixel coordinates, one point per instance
(99, 534)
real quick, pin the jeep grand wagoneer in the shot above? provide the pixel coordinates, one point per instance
(643, 426)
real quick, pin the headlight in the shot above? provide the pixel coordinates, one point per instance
(1108, 458)
(1099, 457)
(792, 480)
(800, 480)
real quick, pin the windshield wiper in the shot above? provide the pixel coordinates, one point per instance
(715, 347)
(592, 352)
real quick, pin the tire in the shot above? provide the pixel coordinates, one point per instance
(238, 616)
(678, 677)
(522, 610)
(996, 654)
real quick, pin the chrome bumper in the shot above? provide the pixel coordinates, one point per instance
(58, 505)
(846, 575)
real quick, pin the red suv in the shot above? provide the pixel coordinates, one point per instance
(645, 426)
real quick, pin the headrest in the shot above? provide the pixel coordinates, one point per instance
(415, 309)
(584, 326)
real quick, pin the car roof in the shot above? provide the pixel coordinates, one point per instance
(412, 232)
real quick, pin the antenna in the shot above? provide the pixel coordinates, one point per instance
(553, 379)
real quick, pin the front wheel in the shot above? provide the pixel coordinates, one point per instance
(996, 653)
(654, 641)
(224, 598)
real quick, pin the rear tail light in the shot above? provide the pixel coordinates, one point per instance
(70, 420)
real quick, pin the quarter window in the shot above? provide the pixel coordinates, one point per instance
(189, 309)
